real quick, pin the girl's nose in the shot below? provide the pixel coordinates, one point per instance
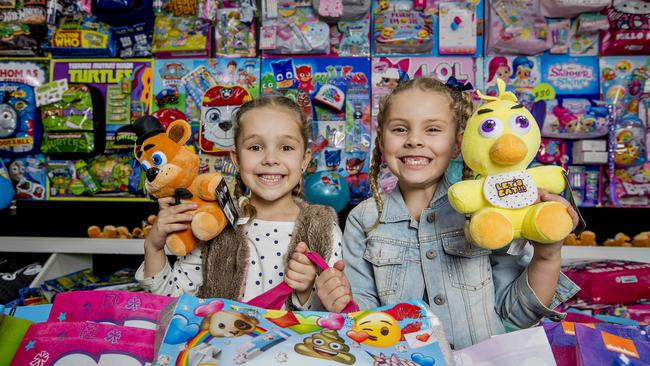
(413, 141)
(269, 159)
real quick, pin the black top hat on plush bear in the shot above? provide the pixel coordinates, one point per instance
(140, 130)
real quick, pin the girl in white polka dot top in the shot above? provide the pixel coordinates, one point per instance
(271, 135)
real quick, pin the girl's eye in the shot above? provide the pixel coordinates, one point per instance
(158, 158)
(520, 124)
(399, 129)
(490, 128)
(255, 148)
(287, 148)
(433, 129)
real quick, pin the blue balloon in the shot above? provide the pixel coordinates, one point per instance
(6, 192)
(327, 188)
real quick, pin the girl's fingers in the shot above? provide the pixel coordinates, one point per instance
(299, 257)
(172, 228)
(166, 202)
(302, 268)
(175, 219)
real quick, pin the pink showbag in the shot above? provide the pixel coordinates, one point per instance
(133, 309)
(85, 344)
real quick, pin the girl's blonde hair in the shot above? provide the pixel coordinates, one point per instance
(268, 101)
(461, 107)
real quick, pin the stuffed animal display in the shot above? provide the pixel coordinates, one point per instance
(173, 171)
(500, 141)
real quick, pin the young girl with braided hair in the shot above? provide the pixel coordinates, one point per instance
(411, 244)
(271, 153)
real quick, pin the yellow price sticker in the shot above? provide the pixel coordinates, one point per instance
(543, 91)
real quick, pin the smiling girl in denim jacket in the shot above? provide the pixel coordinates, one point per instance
(410, 243)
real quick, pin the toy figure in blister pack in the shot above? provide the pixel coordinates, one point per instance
(29, 177)
(133, 41)
(630, 141)
(19, 132)
(218, 106)
(401, 29)
(197, 83)
(553, 151)
(358, 121)
(357, 179)
(235, 36)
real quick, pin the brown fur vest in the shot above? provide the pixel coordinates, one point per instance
(226, 257)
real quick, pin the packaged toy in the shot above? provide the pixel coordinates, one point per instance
(29, 176)
(570, 8)
(398, 28)
(6, 188)
(583, 42)
(456, 28)
(352, 37)
(594, 346)
(133, 41)
(610, 282)
(81, 37)
(131, 309)
(515, 27)
(79, 343)
(296, 30)
(333, 11)
(218, 107)
(20, 132)
(586, 184)
(181, 36)
(520, 74)
(334, 95)
(172, 170)
(123, 86)
(576, 110)
(501, 139)
(629, 28)
(402, 334)
(235, 36)
(19, 39)
(178, 8)
(75, 125)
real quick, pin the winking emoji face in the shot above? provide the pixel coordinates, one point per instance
(376, 330)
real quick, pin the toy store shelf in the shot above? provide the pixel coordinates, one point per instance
(575, 253)
(71, 245)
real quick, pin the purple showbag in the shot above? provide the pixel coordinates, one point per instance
(276, 297)
(619, 346)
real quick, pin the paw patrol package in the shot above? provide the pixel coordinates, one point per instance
(179, 86)
(576, 111)
(216, 331)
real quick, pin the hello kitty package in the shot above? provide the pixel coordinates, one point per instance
(629, 28)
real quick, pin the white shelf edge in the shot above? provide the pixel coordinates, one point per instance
(574, 253)
(71, 245)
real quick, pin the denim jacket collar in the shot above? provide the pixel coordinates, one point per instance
(395, 208)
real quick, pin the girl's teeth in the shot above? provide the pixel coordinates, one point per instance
(271, 178)
(416, 161)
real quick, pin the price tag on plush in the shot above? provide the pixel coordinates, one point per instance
(224, 332)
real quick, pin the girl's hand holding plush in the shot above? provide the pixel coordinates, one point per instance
(333, 288)
(301, 273)
(553, 251)
(171, 218)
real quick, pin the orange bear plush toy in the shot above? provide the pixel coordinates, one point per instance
(172, 170)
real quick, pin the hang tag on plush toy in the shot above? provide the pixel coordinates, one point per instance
(332, 96)
(510, 190)
(227, 205)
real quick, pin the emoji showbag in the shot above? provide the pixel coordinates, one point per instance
(85, 344)
(501, 139)
(224, 332)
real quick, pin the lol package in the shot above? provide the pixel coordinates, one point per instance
(173, 171)
(501, 140)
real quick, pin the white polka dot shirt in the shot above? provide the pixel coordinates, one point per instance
(267, 243)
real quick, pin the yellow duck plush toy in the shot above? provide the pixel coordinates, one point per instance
(500, 141)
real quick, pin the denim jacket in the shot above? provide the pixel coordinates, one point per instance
(472, 290)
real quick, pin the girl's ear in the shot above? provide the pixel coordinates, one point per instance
(235, 158)
(458, 143)
(306, 159)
